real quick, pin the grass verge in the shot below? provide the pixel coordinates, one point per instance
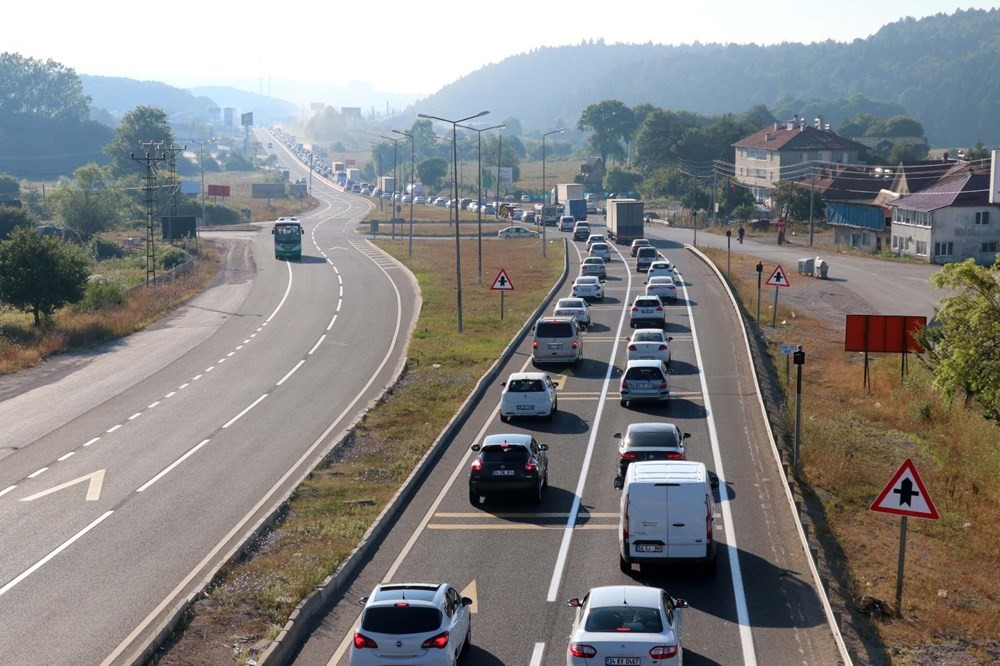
(330, 513)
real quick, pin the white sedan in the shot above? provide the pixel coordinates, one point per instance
(589, 287)
(528, 394)
(662, 287)
(573, 307)
(661, 267)
(602, 250)
(649, 343)
(594, 266)
(517, 232)
(626, 624)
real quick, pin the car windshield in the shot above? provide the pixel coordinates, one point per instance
(648, 336)
(553, 329)
(624, 618)
(525, 385)
(398, 619)
(502, 453)
(647, 374)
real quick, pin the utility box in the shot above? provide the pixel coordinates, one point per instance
(806, 266)
(822, 268)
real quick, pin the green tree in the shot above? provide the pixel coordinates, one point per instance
(40, 274)
(963, 345)
(620, 180)
(696, 198)
(791, 201)
(432, 170)
(666, 182)
(43, 90)
(10, 188)
(978, 152)
(12, 218)
(611, 123)
(142, 125)
(907, 151)
(91, 203)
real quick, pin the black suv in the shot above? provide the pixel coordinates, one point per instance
(650, 441)
(513, 463)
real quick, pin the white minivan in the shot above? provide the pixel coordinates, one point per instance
(667, 514)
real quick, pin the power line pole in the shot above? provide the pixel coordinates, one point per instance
(175, 185)
(150, 160)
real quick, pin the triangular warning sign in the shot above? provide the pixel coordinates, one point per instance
(905, 495)
(778, 278)
(502, 282)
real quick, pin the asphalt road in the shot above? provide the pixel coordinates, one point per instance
(130, 473)
(521, 563)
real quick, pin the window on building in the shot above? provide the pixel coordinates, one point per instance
(944, 249)
(983, 217)
(989, 246)
(895, 242)
(921, 248)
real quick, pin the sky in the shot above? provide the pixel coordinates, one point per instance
(399, 47)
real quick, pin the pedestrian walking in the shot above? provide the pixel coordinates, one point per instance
(742, 232)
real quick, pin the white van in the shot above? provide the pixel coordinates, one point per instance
(667, 514)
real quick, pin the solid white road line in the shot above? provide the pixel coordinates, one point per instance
(247, 409)
(172, 466)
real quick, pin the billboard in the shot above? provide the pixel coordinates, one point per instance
(246, 119)
(267, 190)
(507, 177)
(190, 187)
(176, 228)
(883, 333)
(218, 190)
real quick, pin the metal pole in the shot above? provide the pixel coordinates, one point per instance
(203, 220)
(458, 246)
(774, 315)
(899, 567)
(496, 208)
(800, 358)
(413, 179)
(479, 208)
(729, 248)
(696, 228)
(812, 193)
(760, 268)
(545, 194)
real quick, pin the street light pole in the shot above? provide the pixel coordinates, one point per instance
(413, 180)
(545, 192)
(381, 204)
(201, 145)
(479, 133)
(395, 179)
(458, 246)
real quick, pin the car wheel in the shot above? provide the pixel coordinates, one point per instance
(504, 419)
(624, 565)
(467, 645)
(474, 498)
(536, 498)
(624, 403)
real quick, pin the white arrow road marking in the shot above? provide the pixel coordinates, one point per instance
(470, 591)
(93, 490)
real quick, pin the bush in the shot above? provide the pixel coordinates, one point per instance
(170, 257)
(104, 250)
(102, 293)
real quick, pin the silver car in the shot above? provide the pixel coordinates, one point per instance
(594, 266)
(644, 381)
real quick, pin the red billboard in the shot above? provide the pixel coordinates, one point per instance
(218, 190)
(883, 333)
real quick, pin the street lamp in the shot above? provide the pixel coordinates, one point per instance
(545, 192)
(454, 161)
(479, 133)
(381, 201)
(201, 145)
(412, 189)
(395, 179)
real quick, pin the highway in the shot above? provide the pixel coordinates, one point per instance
(129, 474)
(521, 563)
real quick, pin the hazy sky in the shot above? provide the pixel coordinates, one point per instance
(407, 47)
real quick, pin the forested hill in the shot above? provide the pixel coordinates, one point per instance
(944, 70)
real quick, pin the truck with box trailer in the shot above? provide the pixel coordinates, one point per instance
(625, 220)
(567, 191)
(387, 184)
(575, 207)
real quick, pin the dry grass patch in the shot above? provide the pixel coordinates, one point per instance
(852, 443)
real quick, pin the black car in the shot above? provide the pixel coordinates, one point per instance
(650, 441)
(512, 463)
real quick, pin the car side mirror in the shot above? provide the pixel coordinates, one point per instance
(574, 603)
(619, 483)
(475, 447)
(503, 383)
(714, 482)
(681, 603)
(617, 435)
(669, 338)
(685, 435)
(466, 601)
(543, 447)
(362, 601)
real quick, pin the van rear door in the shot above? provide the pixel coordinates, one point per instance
(647, 520)
(689, 513)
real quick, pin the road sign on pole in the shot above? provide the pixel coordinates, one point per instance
(905, 495)
(502, 282)
(778, 278)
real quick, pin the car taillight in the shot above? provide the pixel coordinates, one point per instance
(635, 309)
(659, 308)
(631, 348)
(534, 344)
(628, 456)
(531, 465)
(574, 344)
(624, 383)
(477, 465)
(663, 652)
(663, 348)
(581, 650)
(663, 384)
(674, 456)
(436, 642)
(361, 641)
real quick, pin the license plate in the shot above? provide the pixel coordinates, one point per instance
(555, 345)
(503, 472)
(525, 408)
(648, 548)
(642, 387)
(622, 661)
(645, 358)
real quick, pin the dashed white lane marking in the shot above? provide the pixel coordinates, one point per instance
(172, 466)
(7, 490)
(291, 372)
(316, 346)
(152, 405)
(36, 473)
(241, 414)
(92, 440)
(135, 416)
(536, 654)
(68, 455)
(113, 428)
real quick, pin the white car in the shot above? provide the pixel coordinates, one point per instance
(649, 343)
(660, 267)
(626, 624)
(577, 308)
(528, 394)
(602, 250)
(412, 624)
(419, 200)
(517, 232)
(589, 287)
(594, 266)
(662, 287)
(595, 238)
